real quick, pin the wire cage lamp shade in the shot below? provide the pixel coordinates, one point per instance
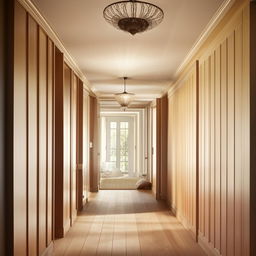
(133, 16)
(124, 98)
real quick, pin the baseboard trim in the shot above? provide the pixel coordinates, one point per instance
(207, 247)
(49, 250)
(181, 219)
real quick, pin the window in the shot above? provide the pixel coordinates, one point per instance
(119, 143)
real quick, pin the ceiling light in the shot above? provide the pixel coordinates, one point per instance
(133, 16)
(124, 98)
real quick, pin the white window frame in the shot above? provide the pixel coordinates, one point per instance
(131, 141)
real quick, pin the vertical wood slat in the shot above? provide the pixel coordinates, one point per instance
(73, 152)
(66, 147)
(182, 134)
(231, 146)
(59, 177)
(217, 128)
(212, 149)
(238, 141)
(32, 135)
(20, 132)
(80, 141)
(207, 148)
(42, 139)
(223, 142)
(223, 135)
(50, 74)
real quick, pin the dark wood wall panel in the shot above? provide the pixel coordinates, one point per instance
(93, 159)
(68, 135)
(32, 134)
(80, 142)
(73, 160)
(161, 147)
(58, 150)
(32, 127)
(20, 131)
(4, 132)
(67, 147)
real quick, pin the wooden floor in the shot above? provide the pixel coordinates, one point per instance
(126, 222)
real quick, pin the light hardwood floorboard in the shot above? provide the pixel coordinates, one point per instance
(126, 223)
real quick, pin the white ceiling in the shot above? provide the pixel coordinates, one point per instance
(106, 54)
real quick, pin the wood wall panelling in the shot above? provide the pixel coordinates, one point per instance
(45, 114)
(5, 141)
(86, 141)
(79, 143)
(50, 145)
(66, 132)
(182, 171)
(250, 71)
(161, 147)
(32, 127)
(221, 144)
(67, 148)
(42, 140)
(93, 162)
(73, 170)
(20, 132)
(32, 134)
(59, 161)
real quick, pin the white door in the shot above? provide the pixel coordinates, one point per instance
(120, 143)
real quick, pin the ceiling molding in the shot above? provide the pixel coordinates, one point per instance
(39, 18)
(221, 12)
(180, 81)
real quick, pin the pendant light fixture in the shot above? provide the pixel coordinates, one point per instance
(133, 16)
(124, 98)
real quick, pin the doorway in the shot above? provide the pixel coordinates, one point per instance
(118, 152)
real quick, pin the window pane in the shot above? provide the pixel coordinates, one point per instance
(124, 125)
(123, 166)
(113, 138)
(113, 125)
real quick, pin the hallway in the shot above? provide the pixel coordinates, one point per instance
(126, 222)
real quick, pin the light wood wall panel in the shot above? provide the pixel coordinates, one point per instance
(32, 135)
(20, 131)
(221, 214)
(86, 144)
(181, 193)
(224, 99)
(249, 160)
(42, 140)
(32, 138)
(50, 139)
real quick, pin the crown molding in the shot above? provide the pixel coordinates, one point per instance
(39, 18)
(215, 20)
